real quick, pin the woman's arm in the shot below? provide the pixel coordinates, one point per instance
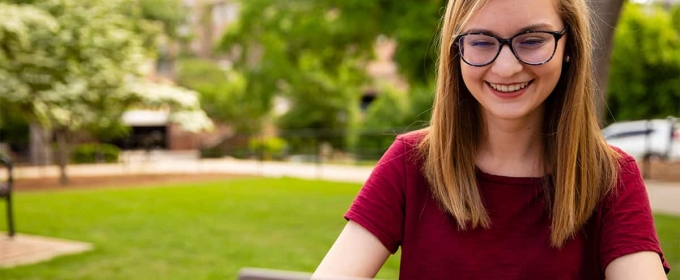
(356, 253)
(640, 265)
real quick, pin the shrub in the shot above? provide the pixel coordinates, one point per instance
(93, 152)
(268, 148)
(212, 152)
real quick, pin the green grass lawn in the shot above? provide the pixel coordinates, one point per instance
(203, 231)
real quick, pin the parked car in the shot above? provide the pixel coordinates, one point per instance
(658, 138)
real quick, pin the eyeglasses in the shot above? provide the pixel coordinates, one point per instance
(530, 47)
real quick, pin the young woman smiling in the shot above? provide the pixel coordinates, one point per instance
(512, 179)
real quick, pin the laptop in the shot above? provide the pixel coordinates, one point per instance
(250, 273)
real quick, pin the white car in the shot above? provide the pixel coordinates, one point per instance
(659, 138)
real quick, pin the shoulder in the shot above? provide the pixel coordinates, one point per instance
(629, 188)
(627, 167)
(403, 156)
(408, 144)
(624, 158)
(413, 138)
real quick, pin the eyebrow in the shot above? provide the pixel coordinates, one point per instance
(537, 26)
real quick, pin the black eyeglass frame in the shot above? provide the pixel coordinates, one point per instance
(508, 41)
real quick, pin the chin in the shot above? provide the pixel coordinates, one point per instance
(509, 115)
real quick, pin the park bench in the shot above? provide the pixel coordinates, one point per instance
(6, 193)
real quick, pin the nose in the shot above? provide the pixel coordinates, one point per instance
(506, 64)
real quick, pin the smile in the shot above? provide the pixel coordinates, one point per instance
(509, 88)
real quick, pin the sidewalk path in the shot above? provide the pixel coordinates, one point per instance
(25, 249)
(664, 197)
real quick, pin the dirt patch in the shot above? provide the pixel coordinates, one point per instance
(47, 184)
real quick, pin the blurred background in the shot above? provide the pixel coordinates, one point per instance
(301, 80)
(186, 139)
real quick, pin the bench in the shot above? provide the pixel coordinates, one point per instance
(6, 193)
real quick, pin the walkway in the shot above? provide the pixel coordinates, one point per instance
(25, 249)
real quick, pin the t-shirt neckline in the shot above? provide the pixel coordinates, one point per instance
(507, 180)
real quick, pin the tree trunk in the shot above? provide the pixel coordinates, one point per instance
(606, 17)
(40, 145)
(62, 143)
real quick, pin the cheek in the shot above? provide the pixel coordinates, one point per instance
(472, 76)
(551, 74)
(548, 83)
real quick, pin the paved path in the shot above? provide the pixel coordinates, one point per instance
(664, 197)
(25, 249)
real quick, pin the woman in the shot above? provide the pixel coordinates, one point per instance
(512, 180)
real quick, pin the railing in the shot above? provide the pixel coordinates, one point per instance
(6, 193)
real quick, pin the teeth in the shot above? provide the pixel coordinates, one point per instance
(509, 88)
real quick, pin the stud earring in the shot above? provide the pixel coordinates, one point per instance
(567, 59)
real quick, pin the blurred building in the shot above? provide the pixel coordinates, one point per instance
(383, 69)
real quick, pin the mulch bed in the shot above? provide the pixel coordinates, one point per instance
(663, 171)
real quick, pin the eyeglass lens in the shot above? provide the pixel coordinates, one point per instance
(531, 48)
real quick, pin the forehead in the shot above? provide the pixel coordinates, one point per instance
(507, 17)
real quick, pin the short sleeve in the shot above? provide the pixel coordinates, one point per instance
(627, 222)
(380, 205)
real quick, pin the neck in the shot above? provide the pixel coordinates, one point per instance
(512, 147)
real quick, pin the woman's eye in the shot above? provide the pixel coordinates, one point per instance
(482, 44)
(532, 42)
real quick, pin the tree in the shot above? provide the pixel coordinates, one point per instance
(645, 65)
(222, 93)
(393, 112)
(72, 65)
(309, 51)
(168, 14)
(606, 16)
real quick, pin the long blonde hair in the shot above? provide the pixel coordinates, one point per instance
(580, 167)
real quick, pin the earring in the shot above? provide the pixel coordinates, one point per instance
(567, 59)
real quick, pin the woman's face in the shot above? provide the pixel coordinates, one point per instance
(508, 89)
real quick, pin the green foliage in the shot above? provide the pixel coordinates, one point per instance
(74, 65)
(68, 65)
(109, 130)
(14, 128)
(94, 152)
(314, 52)
(222, 93)
(675, 17)
(268, 148)
(170, 13)
(645, 70)
(393, 112)
(308, 51)
(415, 26)
(211, 152)
(323, 102)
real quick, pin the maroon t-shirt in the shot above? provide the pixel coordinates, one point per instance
(396, 205)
